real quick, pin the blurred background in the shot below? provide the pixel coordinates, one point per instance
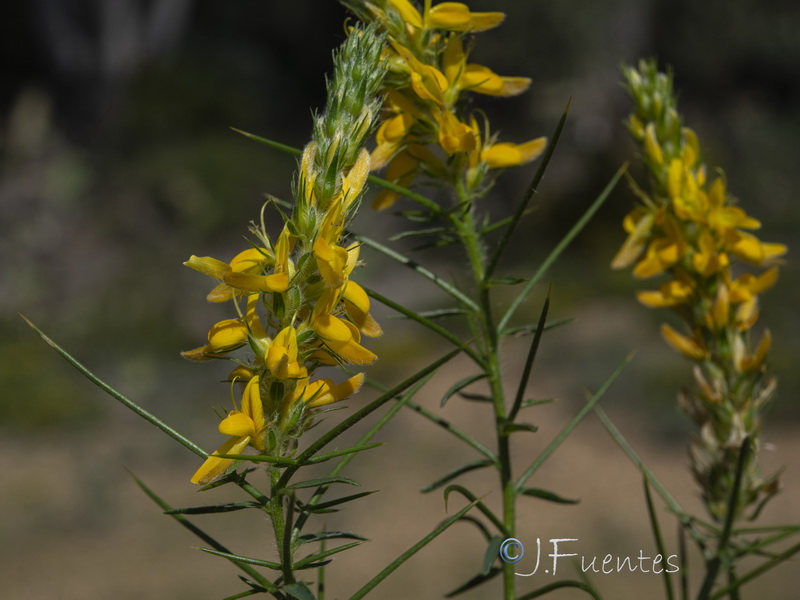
(117, 163)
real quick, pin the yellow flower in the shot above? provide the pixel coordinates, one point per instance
(506, 154)
(324, 391)
(247, 428)
(241, 274)
(456, 16)
(684, 345)
(671, 293)
(340, 336)
(282, 355)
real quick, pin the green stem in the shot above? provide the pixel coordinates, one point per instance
(464, 223)
(275, 509)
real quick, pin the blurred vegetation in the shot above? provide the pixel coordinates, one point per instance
(117, 163)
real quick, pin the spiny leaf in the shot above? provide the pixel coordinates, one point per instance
(526, 371)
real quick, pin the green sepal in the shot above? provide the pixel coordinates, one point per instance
(472, 466)
(547, 495)
(321, 481)
(459, 385)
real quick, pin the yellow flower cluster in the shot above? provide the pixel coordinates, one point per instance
(688, 228)
(428, 78)
(691, 230)
(297, 306)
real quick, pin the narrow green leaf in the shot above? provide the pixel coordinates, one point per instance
(435, 314)
(418, 198)
(757, 572)
(152, 419)
(299, 590)
(529, 403)
(321, 481)
(243, 559)
(426, 323)
(370, 585)
(478, 504)
(526, 371)
(507, 281)
(564, 433)
(522, 207)
(444, 285)
(657, 537)
(490, 227)
(479, 525)
(460, 385)
(319, 458)
(418, 233)
(216, 508)
(560, 247)
(617, 436)
(325, 505)
(259, 458)
(271, 143)
(568, 583)
(303, 563)
(471, 466)
(528, 329)
(347, 423)
(475, 397)
(383, 420)
(491, 554)
(517, 427)
(474, 582)
(452, 429)
(330, 535)
(547, 495)
(250, 592)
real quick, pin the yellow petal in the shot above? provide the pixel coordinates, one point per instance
(226, 335)
(334, 393)
(683, 344)
(456, 16)
(332, 329)
(634, 244)
(251, 260)
(482, 80)
(236, 423)
(214, 466)
(208, 266)
(407, 12)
